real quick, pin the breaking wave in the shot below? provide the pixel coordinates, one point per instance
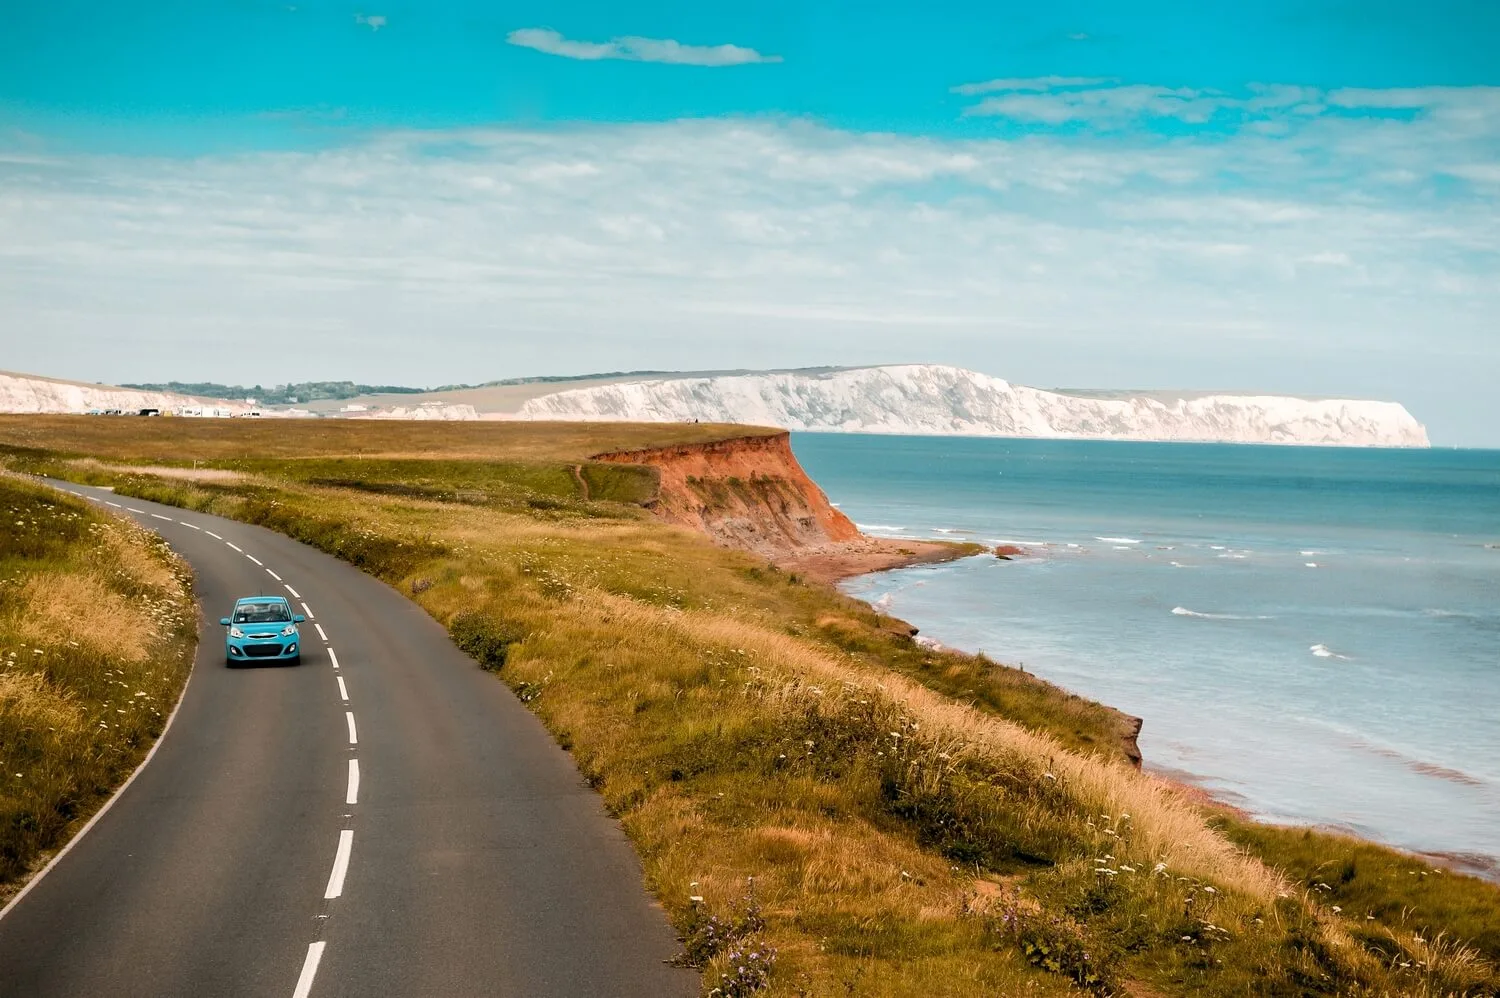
(1182, 611)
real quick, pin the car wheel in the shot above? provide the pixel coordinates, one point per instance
(230, 662)
(297, 659)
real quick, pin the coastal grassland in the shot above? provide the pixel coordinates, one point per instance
(97, 632)
(799, 776)
(1377, 885)
(175, 440)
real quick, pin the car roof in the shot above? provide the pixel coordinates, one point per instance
(260, 599)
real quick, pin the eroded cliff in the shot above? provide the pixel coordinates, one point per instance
(747, 492)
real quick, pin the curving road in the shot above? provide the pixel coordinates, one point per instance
(385, 819)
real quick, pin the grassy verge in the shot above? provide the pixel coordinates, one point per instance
(810, 790)
(97, 631)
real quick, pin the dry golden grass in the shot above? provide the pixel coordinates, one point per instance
(81, 606)
(97, 630)
(1166, 828)
(160, 470)
(173, 440)
(28, 700)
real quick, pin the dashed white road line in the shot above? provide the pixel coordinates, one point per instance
(309, 969)
(353, 737)
(234, 546)
(320, 631)
(343, 690)
(352, 797)
(256, 560)
(213, 535)
(132, 509)
(190, 526)
(310, 614)
(273, 575)
(288, 588)
(331, 656)
(340, 864)
(114, 504)
(160, 517)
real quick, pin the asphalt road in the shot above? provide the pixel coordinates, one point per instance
(467, 857)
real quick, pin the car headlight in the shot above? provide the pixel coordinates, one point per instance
(289, 630)
(235, 632)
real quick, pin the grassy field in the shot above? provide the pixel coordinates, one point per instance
(808, 789)
(172, 440)
(97, 631)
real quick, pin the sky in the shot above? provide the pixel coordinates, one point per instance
(1283, 197)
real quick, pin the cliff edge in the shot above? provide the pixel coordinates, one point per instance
(746, 492)
(751, 493)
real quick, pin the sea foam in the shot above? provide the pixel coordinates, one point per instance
(1182, 611)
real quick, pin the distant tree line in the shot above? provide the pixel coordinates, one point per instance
(315, 391)
(307, 391)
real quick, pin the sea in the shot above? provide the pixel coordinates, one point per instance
(1310, 634)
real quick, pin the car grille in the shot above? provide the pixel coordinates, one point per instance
(262, 651)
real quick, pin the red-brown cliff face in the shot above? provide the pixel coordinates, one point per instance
(746, 492)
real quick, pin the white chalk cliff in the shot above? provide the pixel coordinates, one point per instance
(926, 399)
(28, 393)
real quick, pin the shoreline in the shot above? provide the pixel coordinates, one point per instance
(837, 561)
(886, 554)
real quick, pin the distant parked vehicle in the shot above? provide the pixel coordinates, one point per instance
(262, 628)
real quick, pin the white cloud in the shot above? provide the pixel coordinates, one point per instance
(636, 49)
(373, 21)
(1061, 100)
(1479, 173)
(1029, 83)
(1307, 261)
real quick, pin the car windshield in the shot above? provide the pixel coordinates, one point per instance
(261, 613)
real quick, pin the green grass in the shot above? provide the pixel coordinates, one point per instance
(97, 631)
(916, 822)
(1389, 887)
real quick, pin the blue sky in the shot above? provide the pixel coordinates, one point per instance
(1299, 197)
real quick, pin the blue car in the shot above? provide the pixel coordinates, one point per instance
(262, 628)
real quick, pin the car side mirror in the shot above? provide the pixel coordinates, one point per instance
(223, 621)
(297, 618)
